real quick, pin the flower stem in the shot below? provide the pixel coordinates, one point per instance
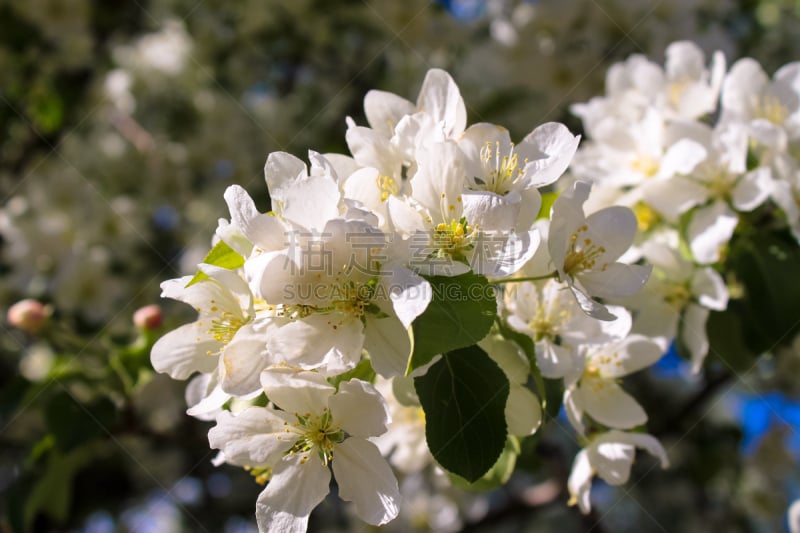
(532, 278)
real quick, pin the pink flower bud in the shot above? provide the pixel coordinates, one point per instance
(148, 318)
(28, 315)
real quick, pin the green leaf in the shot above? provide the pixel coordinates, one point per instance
(464, 398)
(726, 340)
(43, 446)
(766, 262)
(498, 475)
(553, 395)
(73, 423)
(51, 493)
(363, 371)
(46, 109)
(221, 255)
(461, 313)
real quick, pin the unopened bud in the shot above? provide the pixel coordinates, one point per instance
(28, 315)
(148, 318)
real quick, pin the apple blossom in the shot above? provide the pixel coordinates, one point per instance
(316, 426)
(609, 456)
(584, 249)
(592, 387)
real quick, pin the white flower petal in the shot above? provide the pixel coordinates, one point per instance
(359, 409)
(745, 79)
(404, 219)
(554, 361)
(231, 235)
(627, 356)
(412, 133)
(201, 296)
(752, 190)
(263, 230)
(312, 202)
(331, 339)
(613, 329)
(682, 158)
(281, 171)
(439, 96)
(710, 289)
(320, 166)
(523, 301)
(185, 350)
(793, 517)
(693, 334)
(508, 357)
(296, 487)
(489, 211)
(612, 461)
(439, 180)
(362, 185)
(667, 260)
(684, 59)
(523, 411)
(548, 149)
(365, 478)
(580, 482)
(641, 440)
(673, 197)
(613, 228)
(242, 361)
(710, 228)
(606, 402)
(514, 253)
(475, 139)
(371, 149)
(253, 437)
(205, 397)
(574, 409)
(410, 293)
(566, 216)
(656, 318)
(389, 345)
(617, 280)
(342, 165)
(384, 110)
(296, 391)
(236, 297)
(768, 134)
(591, 307)
(530, 205)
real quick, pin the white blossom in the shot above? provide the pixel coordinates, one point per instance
(550, 315)
(315, 426)
(592, 387)
(610, 456)
(676, 301)
(769, 108)
(584, 249)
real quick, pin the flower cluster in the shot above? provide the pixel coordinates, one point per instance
(314, 317)
(695, 151)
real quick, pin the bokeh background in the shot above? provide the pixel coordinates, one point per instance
(121, 124)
